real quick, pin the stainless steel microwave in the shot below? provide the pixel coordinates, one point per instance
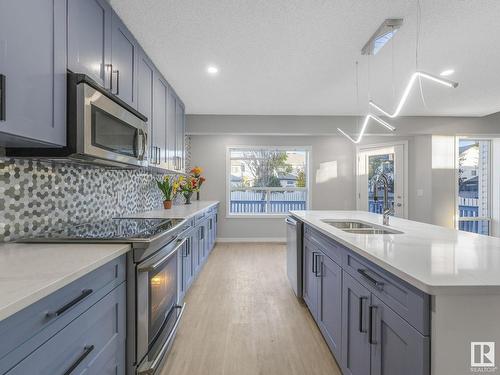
(101, 128)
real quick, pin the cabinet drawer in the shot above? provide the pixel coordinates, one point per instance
(407, 301)
(93, 343)
(328, 246)
(31, 327)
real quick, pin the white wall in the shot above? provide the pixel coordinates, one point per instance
(328, 191)
(431, 184)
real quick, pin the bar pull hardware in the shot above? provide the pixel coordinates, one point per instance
(86, 351)
(377, 284)
(370, 326)
(3, 87)
(117, 92)
(85, 293)
(361, 315)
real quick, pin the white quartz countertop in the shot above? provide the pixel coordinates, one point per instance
(182, 211)
(30, 272)
(434, 259)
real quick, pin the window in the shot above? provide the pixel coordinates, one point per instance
(474, 179)
(268, 180)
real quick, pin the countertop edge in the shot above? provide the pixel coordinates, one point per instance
(26, 301)
(433, 290)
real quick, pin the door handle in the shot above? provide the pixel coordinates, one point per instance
(377, 284)
(117, 81)
(85, 293)
(319, 265)
(86, 351)
(3, 87)
(313, 262)
(110, 68)
(371, 312)
(361, 315)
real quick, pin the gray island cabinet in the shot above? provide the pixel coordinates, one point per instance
(374, 323)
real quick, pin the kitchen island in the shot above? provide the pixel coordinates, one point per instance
(442, 284)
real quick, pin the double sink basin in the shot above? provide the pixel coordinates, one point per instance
(359, 227)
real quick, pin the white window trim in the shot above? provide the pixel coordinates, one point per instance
(493, 201)
(230, 215)
(376, 146)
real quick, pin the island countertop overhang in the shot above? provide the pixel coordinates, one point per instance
(434, 259)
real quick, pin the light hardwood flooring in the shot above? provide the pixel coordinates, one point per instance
(242, 318)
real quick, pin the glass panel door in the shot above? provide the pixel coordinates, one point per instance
(371, 163)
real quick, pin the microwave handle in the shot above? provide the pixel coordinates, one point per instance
(144, 144)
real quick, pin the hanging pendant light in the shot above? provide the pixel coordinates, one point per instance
(363, 128)
(408, 88)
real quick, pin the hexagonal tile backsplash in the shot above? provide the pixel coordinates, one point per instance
(36, 196)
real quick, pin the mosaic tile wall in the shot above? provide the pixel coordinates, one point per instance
(38, 196)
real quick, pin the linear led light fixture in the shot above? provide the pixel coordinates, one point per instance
(408, 88)
(363, 128)
(383, 34)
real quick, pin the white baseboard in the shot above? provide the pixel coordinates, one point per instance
(252, 239)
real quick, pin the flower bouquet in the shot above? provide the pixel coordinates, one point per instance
(169, 186)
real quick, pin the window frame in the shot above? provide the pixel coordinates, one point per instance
(227, 176)
(490, 218)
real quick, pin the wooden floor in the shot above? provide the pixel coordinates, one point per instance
(242, 318)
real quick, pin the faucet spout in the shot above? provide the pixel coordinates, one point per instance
(382, 178)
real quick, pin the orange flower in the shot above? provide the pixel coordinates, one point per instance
(197, 171)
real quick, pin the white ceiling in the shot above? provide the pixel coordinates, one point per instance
(298, 57)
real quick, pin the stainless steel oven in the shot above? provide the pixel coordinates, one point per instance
(158, 312)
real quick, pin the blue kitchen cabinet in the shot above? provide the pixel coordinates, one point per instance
(310, 279)
(32, 73)
(89, 39)
(330, 303)
(356, 300)
(187, 271)
(158, 138)
(179, 134)
(171, 130)
(145, 80)
(93, 343)
(124, 57)
(396, 347)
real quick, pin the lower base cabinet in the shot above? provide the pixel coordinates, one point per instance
(397, 348)
(355, 340)
(200, 240)
(349, 304)
(94, 343)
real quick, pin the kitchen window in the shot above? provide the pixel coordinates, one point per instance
(474, 181)
(267, 181)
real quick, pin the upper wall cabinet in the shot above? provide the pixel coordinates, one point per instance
(158, 136)
(32, 72)
(124, 52)
(179, 135)
(145, 79)
(89, 39)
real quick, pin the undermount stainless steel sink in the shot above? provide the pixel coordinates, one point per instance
(359, 227)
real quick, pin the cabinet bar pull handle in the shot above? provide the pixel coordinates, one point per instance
(86, 351)
(117, 82)
(377, 284)
(370, 327)
(314, 262)
(69, 305)
(3, 87)
(361, 315)
(319, 265)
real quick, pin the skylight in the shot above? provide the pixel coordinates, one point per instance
(381, 41)
(384, 33)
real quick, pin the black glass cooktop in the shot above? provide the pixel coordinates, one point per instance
(110, 230)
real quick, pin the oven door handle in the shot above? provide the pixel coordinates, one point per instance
(154, 266)
(149, 368)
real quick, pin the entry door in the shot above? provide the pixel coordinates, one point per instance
(371, 162)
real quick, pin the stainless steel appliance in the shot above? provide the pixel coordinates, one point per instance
(101, 128)
(153, 310)
(294, 251)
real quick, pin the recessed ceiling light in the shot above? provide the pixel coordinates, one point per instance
(212, 70)
(447, 72)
